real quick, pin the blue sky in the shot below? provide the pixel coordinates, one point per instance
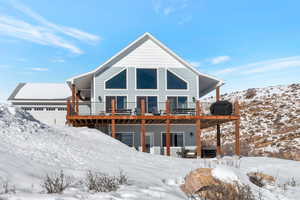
(247, 43)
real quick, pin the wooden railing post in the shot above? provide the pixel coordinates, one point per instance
(237, 128)
(73, 97)
(68, 112)
(219, 151)
(168, 129)
(198, 131)
(143, 130)
(218, 93)
(113, 121)
(77, 105)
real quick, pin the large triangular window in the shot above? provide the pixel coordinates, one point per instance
(117, 82)
(174, 82)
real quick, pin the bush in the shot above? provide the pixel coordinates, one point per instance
(56, 183)
(101, 182)
(6, 188)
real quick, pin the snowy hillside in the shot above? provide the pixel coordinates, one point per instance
(270, 122)
(29, 150)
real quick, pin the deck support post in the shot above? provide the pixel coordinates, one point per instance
(219, 151)
(168, 129)
(113, 121)
(198, 131)
(73, 98)
(68, 112)
(143, 130)
(77, 105)
(237, 128)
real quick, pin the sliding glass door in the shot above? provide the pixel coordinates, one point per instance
(177, 102)
(150, 102)
(121, 102)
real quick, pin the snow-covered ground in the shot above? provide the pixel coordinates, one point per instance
(29, 150)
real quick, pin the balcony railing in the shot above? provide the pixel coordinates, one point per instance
(134, 108)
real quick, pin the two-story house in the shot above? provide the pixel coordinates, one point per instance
(147, 97)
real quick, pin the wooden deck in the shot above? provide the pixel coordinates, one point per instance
(167, 119)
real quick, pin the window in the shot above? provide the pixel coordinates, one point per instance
(174, 82)
(26, 108)
(126, 138)
(121, 102)
(176, 139)
(117, 82)
(38, 109)
(50, 109)
(150, 101)
(178, 102)
(146, 78)
(61, 109)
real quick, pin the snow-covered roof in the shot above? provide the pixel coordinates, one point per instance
(41, 91)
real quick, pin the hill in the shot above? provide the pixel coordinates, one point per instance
(270, 122)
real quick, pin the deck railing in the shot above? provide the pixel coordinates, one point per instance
(134, 108)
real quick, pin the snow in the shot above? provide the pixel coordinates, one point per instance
(44, 91)
(224, 174)
(29, 150)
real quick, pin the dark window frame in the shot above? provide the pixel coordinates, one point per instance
(120, 134)
(137, 85)
(147, 108)
(174, 139)
(115, 75)
(177, 103)
(108, 105)
(176, 76)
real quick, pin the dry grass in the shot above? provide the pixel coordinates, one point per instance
(56, 183)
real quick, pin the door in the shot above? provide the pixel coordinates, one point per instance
(149, 141)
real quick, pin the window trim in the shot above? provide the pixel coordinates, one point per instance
(115, 74)
(133, 137)
(157, 78)
(111, 95)
(143, 95)
(172, 132)
(166, 81)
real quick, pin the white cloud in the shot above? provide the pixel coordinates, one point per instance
(263, 66)
(58, 60)
(39, 69)
(220, 59)
(44, 32)
(185, 20)
(167, 7)
(195, 63)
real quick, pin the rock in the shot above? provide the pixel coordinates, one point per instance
(261, 179)
(197, 180)
(200, 184)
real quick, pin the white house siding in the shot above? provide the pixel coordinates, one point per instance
(50, 117)
(149, 54)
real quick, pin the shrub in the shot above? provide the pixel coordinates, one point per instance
(101, 182)
(6, 188)
(56, 183)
